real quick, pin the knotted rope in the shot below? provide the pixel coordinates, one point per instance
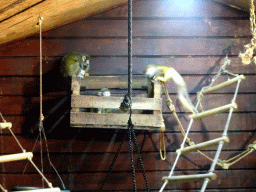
(247, 56)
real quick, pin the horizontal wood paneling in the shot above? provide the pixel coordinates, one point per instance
(239, 122)
(217, 100)
(27, 66)
(14, 105)
(144, 27)
(118, 47)
(100, 162)
(29, 85)
(192, 41)
(106, 142)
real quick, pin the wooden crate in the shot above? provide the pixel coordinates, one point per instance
(148, 105)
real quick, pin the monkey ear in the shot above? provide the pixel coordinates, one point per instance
(84, 58)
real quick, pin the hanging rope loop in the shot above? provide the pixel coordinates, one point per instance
(162, 149)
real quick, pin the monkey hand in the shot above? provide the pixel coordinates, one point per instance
(81, 74)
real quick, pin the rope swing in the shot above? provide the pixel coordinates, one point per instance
(126, 106)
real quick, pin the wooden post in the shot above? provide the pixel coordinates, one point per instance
(75, 87)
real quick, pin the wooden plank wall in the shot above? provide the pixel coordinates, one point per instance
(189, 38)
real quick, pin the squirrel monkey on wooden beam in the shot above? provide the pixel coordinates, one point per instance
(164, 73)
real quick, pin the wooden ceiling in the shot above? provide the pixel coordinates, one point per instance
(18, 18)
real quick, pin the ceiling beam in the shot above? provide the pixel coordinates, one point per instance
(55, 13)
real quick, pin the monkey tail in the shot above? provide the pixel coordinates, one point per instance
(185, 100)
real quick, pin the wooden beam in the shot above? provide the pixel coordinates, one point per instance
(87, 101)
(13, 7)
(55, 13)
(238, 4)
(113, 82)
(108, 120)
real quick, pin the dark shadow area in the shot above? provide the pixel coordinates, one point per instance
(55, 105)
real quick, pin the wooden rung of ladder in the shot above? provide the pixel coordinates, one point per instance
(213, 111)
(5, 125)
(223, 85)
(203, 145)
(15, 157)
(190, 178)
(56, 189)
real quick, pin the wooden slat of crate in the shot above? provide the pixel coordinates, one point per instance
(115, 120)
(87, 101)
(108, 120)
(112, 82)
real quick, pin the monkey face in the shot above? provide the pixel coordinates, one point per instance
(83, 58)
(85, 64)
(104, 92)
(150, 72)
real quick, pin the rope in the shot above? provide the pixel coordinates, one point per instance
(248, 54)
(41, 71)
(130, 125)
(130, 129)
(41, 118)
(2, 117)
(113, 162)
(126, 106)
(162, 148)
(130, 49)
(252, 17)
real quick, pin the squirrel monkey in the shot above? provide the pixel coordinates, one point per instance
(164, 73)
(104, 92)
(75, 63)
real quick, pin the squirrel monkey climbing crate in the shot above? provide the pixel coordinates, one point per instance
(149, 104)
